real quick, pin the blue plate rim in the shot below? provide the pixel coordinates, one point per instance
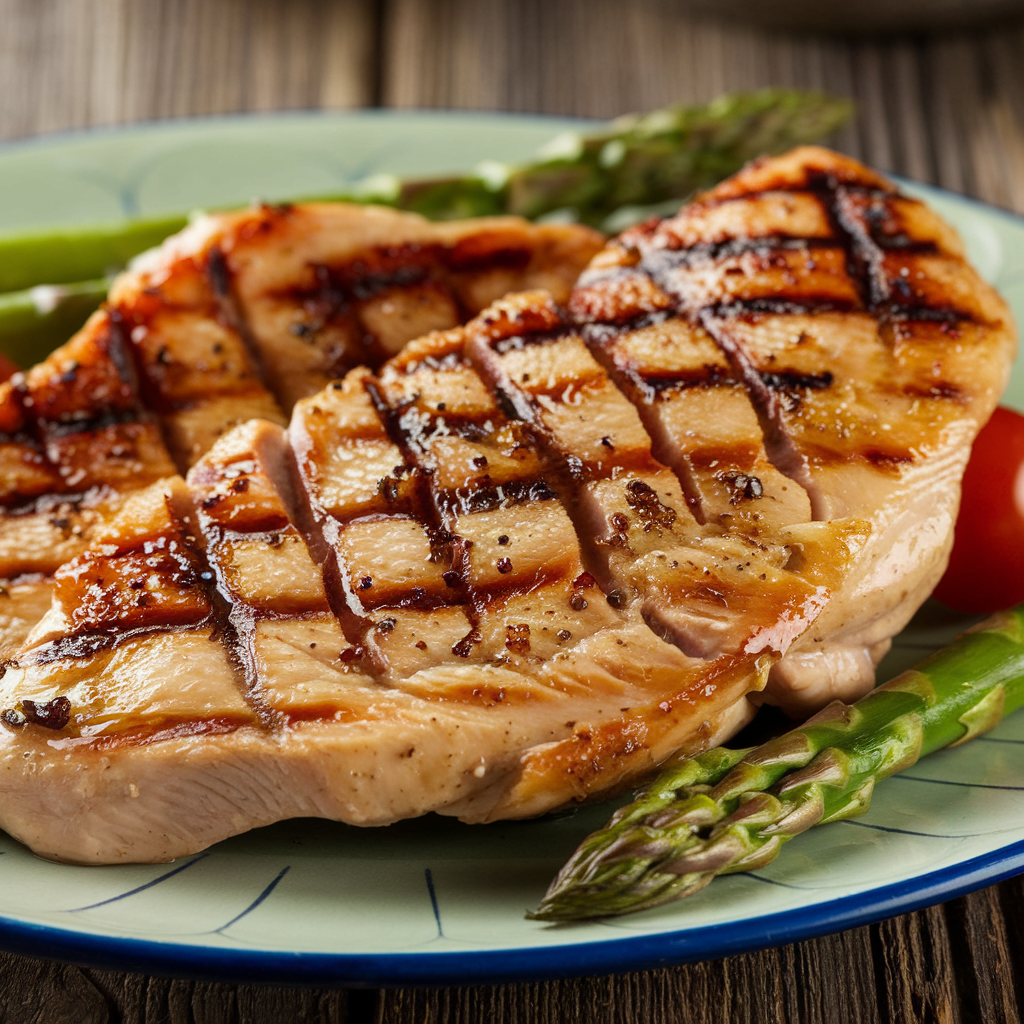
(527, 963)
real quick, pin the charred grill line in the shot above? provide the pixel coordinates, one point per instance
(319, 531)
(866, 250)
(810, 185)
(331, 300)
(567, 469)
(233, 625)
(711, 252)
(713, 318)
(340, 288)
(131, 372)
(485, 499)
(765, 400)
(94, 424)
(790, 381)
(221, 280)
(451, 547)
(642, 392)
(775, 307)
(34, 437)
(863, 257)
(528, 339)
(771, 393)
(86, 644)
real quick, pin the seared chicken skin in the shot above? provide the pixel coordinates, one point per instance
(525, 560)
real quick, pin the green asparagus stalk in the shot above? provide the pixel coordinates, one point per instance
(34, 320)
(731, 810)
(66, 255)
(640, 160)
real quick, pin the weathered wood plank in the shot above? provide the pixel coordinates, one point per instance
(794, 983)
(985, 963)
(947, 109)
(916, 969)
(73, 63)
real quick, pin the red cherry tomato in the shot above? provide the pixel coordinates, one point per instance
(986, 569)
(7, 368)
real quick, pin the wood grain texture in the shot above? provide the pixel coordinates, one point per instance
(947, 109)
(74, 63)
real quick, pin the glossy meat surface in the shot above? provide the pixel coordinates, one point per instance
(235, 319)
(415, 600)
(870, 352)
(516, 564)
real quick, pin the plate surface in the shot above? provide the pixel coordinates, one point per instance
(433, 901)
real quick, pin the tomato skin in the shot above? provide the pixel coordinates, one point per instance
(986, 568)
(7, 368)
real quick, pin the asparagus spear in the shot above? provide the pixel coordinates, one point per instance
(33, 321)
(731, 810)
(639, 160)
(64, 255)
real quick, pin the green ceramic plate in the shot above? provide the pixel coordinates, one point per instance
(432, 901)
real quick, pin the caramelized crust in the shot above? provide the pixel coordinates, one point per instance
(871, 351)
(235, 319)
(459, 617)
(518, 563)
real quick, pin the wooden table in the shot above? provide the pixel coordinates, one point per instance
(947, 109)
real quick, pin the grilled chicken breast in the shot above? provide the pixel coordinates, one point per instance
(236, 318)
(522, 561)
(869, 350)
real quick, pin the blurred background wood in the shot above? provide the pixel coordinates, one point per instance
(946, 108)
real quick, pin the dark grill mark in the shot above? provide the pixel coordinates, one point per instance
(707, 376)
(487, 498)
(863, 257)
(791, 381)
(910, 313)
(809, 306)
(517, 342)
(812, 184)
(884, 460)
(661, 261)
(903, 243)
(121, 353)
(940, 389)
(84, 645)
(56, 429)
(463, 259)
(218, 273)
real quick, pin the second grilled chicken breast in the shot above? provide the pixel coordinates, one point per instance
(236, 318)
(865, 346)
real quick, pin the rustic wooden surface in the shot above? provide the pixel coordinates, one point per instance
(942, 108)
